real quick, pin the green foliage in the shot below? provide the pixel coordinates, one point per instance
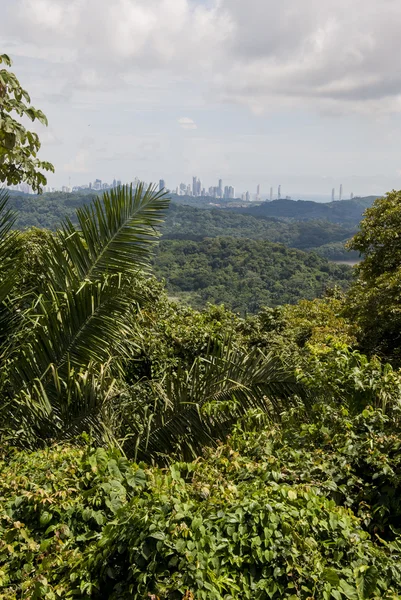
(53, 504)
(73, 360)
(352, 378)
(199, 406)
(319, 322)
(185, 222)
(244, 275)
(18, 146)
(374, 299)
(298, 511)
(71, 330)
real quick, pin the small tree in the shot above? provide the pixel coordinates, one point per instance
(375, 298)
(18, 146)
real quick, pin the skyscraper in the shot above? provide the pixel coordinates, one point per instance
(220, 188)
(258, 192)
(247, 196)
(333, 194)
(271, 194)
(162, 185)
(340, 197)
(279, 192)
(194, 186)
(352, 195)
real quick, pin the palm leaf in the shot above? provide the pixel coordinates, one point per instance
(82, 315)
(80, 402)
(8, 246)
(199, 407)
(115, 235)
(10, 254)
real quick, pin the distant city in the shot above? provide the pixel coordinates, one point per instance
(196, 189)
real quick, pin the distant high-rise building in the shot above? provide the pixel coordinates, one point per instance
(271, 194)
(198, 187)
(340, 196)
(162, 185)
(247, 197)
(231, 192)
(226, 192)
(279, 192)
(220, 188)
(194, 185)
(188, 190)
(352, 195)
(258, 192)
(333, 194)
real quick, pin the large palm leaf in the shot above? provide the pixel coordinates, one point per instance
(80, 401)
(115, 236)
(8, 245)
(10, 316)
(81, 314)
(197, 408)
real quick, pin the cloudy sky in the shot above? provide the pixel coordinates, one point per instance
(306, 93)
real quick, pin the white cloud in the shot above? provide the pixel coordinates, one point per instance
(329, 55)
(187, 123)
(127, 69)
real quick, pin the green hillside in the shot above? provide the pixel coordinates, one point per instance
(244, 274)
(184, 222)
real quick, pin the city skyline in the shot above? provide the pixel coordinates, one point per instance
(186, 189)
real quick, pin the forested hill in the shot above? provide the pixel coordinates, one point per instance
(302, 225)
(185, 222)
(244, 274)
(346, 212)
(49, 209)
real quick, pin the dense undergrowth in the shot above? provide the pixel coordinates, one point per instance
(290, 511)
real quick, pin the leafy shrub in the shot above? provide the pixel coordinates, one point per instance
(306, 511)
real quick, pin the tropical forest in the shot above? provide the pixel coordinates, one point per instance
(195, 402)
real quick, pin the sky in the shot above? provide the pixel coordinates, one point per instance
(306, 94)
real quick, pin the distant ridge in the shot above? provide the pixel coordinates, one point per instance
(344, 212)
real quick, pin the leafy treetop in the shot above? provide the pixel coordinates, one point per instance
(18, 146)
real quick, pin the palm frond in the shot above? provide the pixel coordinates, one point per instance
(116, 235)
(10, 254)
(80, 315)
(80, 401)
(74, 327)
(8, 245)
(199, 407)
